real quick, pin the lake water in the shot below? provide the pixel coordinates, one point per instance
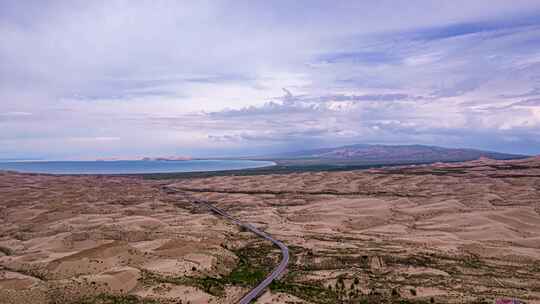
(130, 166)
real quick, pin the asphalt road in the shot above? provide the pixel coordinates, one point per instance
(255, 292)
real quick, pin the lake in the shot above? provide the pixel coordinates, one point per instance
(130, 166)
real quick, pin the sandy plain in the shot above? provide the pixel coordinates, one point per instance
(442, 233)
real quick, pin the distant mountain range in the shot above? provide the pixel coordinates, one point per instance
(386, 154)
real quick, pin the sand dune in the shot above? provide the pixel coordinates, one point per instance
(452, 232)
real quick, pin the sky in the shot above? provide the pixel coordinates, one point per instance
(126, 79)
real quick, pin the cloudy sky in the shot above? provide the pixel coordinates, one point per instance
(92, 79)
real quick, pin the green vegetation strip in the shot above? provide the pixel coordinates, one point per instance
(258, 259)
(253, 266)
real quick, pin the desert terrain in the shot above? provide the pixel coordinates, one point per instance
(443, 233)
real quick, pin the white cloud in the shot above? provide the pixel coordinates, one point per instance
(168, 77)
(15, 114)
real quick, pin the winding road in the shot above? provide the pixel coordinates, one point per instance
(255, 292)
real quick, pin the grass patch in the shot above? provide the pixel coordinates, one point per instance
(413, 260)
(255, 263)
(472, 262)
(213, 286)
(312, 293)
(246, 275)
